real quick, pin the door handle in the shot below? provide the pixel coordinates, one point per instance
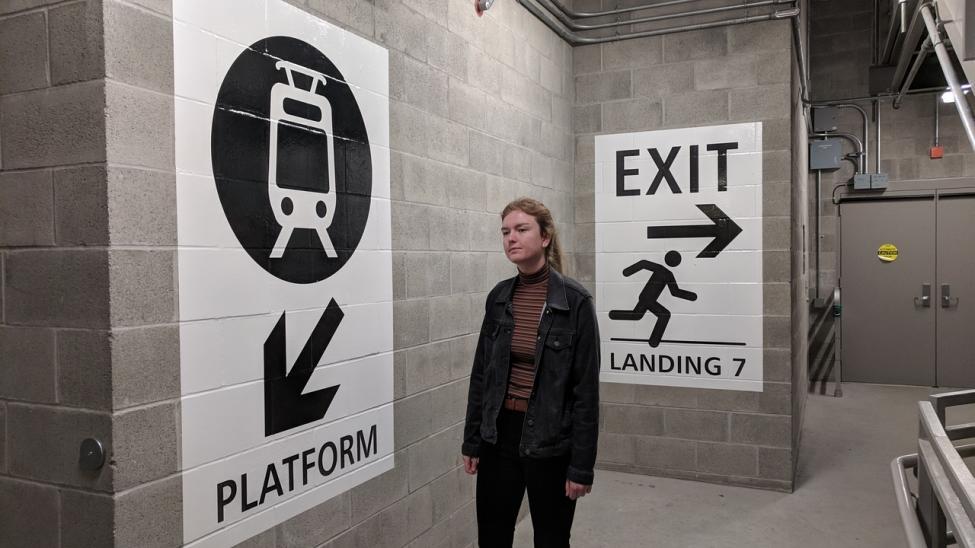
(946, 300)
(925, 298)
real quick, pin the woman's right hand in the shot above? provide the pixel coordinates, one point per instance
(470, 464)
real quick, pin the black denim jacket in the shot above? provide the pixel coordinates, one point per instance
(563, 412)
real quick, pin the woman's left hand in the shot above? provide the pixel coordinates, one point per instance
(575, 490)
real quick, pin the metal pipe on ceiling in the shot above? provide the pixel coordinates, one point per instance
(568, 12)
(575, 39)
(911, 74)
(961, 104)
(914, 32)
(891, 35)
(551, 5)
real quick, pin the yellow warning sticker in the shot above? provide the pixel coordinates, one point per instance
(887, 253)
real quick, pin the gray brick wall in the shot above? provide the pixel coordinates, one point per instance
(55, 388)
(705, 77)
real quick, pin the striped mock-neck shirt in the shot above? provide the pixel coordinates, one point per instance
(531, 291)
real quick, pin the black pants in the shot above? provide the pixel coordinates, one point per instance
(503, 476)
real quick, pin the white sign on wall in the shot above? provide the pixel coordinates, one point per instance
(285, 270)
(679, 256)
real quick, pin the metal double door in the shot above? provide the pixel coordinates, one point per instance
(910, 320)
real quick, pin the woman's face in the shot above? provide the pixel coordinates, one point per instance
(523, 242)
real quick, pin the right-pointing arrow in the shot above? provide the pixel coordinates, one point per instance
(285, 406)
(722, 230)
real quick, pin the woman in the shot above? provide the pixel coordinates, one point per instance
(532, 408)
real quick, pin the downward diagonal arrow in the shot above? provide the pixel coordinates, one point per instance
(285, 406)
(722, 230)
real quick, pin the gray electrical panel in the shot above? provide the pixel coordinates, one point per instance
(861, 181)
(824, 119)
(825, 154)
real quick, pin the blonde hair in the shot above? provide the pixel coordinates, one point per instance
(542, 215)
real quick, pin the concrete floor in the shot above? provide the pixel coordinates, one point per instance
(844, 496)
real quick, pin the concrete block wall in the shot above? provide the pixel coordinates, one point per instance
(705, 77)
(840, 54)
(55, 286)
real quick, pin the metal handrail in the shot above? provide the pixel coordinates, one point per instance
(946, 487)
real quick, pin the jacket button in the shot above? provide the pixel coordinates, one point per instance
(531, 422)
(556, 343)
(548, 310)
(538, 338)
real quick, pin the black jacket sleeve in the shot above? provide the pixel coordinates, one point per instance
(475, 394)
(585, 407)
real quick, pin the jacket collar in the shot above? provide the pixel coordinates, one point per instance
(556, 297)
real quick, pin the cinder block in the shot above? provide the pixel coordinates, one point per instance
(487, 153)
(467, 189)
(450, 400)
(604, 86)
(87, 519)
(777, 364)
(11, 6)
(164, 7)
(30, 514)
(517, 163)
(541, 170)
(399, 276)
(427, 366)
(665, 453)
(775, 67)
(635, 115)
(142, 207)
(767, 430)
(635, 53)
(138, 47)
(562, 113)
(552, 76)
(485, 230)
(586, 59)
(777, 331)
(85, 369)
(776, 135)
(696, 425)
(733, 71)
(315, 526)
(587, 118)
(483, 71)
(379, 492)
(760, 103)
(775, 463)
(434, 456)
(761, 36)
(449, 229)
(696, 44)
(139, 127)
(53, 457)
(143, 287)
(56, 288)
(776, 266)
(3, 437)
(776, 234)
(77, 42)
(267, 539)
(400, 28)
(449, 316)
(26, 208)
(697, 107)
(663, 80)
(632, 419)
(54, 126)
(151, 516)
(665, 396)
(467, 272)
(417, 84)
(393, 527)
(463, 527)
(777, 166)
(617, 448)
(416, 132)
(358, 16)
(145, 444)
(451, 492)
(427, 274)
(726, 459)
(23, 52)
(462, 353)
(411, 226)
(527, 59)
(411, 322)
(777, 299)
(525, 94)
(776, 199)
(81, 205)
(447, 51)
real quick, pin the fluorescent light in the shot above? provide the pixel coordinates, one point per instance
(947, 97)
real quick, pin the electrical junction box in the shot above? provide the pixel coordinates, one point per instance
(878, 181)
(825, 154)
(861, 181)
(824, 119)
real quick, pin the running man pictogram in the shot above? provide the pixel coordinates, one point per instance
(660, 279)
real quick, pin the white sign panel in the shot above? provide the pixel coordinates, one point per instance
(679, 256)
(285, 270)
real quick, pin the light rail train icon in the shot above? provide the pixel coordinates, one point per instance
(301, 169)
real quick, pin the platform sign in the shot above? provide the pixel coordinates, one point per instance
(284, 264)
(679, 256)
